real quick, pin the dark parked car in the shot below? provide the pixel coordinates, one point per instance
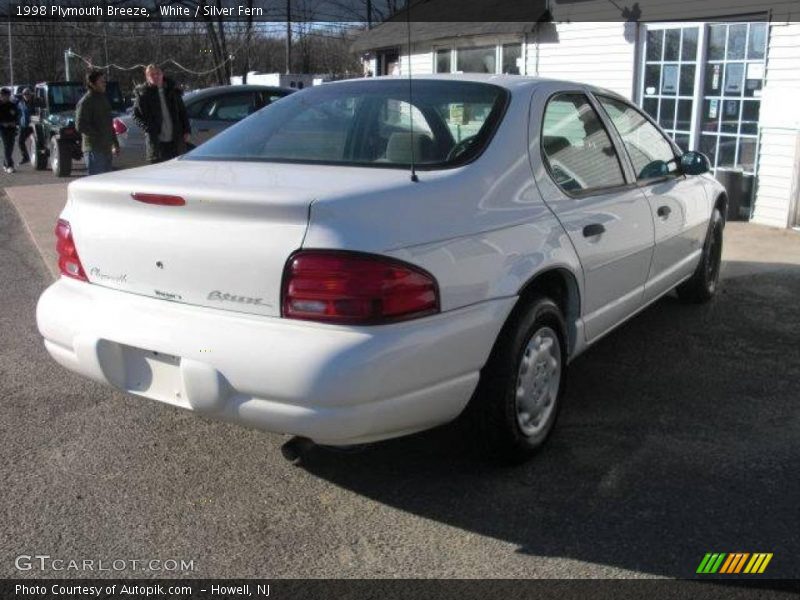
(210, 110)
(55, 141)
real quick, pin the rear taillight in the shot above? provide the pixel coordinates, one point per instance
(356, 289)
(68, 261)
(119, 127)
(159, 199)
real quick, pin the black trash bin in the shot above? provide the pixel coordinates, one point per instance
(740, 193)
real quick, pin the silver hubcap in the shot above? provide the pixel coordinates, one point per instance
(538, 380)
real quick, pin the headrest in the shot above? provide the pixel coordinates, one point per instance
(398, 149)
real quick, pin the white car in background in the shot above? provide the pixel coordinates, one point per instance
(292, 275)
(210, 110)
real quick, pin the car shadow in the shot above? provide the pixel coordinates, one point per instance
(678, 436)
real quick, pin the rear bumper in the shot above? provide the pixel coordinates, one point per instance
(335, 385)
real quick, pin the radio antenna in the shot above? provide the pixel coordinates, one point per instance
(414, 177)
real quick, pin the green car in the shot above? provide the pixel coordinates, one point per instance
(55, 141)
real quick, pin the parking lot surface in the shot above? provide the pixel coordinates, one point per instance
(678, 437)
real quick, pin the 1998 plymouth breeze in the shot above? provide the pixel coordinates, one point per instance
(366, 259)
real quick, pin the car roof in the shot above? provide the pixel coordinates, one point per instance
(510, 82)
(506, 81)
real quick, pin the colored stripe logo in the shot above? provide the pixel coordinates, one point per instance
(734, 563)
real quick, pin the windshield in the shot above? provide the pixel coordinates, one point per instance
(65, 96)
(368, 123)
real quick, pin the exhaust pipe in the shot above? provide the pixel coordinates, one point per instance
(294, 449)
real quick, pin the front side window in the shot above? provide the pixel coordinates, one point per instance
(576, 146)
(650, 152)
(369, 123)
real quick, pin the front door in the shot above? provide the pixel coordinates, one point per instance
(581, 178)
(678, 202)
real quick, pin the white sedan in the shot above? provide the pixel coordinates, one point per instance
(369, 258)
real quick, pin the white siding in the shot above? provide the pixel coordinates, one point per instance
(421, 59)
(600, 53)
(779, 158)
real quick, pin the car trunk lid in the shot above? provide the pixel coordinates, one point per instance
(224, 247)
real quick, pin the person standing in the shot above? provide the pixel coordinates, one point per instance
(9, 115)
(94, 122)
(159, 110)
(25, 104)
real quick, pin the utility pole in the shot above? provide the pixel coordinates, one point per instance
(369, 14)
(10, 55)
(105, 44)
(67, 54)
(288, 36)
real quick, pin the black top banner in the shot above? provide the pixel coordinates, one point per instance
(374, 12)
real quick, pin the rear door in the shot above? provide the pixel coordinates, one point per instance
(584, 182)
(678, 203)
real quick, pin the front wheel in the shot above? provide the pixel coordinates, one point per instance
(703, 284)
(519, 395)
(37, 153)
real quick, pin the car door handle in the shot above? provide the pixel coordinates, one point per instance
(664, 211)
(593, 230)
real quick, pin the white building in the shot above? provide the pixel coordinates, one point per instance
(726, 82)
(286, 80)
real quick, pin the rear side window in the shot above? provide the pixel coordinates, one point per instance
(195, 109)
(576, 146)
(650, 152)
(229, 107)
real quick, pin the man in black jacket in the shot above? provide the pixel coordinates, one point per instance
(8, 128)
(159, 110)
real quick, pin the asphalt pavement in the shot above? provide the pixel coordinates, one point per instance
(679, 436)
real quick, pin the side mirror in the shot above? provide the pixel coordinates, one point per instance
(695, 163)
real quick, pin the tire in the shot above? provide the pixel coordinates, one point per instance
(37, 153)
(702, 285)
(527, 370)
(60, 159)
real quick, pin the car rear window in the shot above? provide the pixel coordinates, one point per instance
(371, 123)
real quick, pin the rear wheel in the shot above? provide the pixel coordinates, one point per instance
(519, 395)
(703, 284)
(60, 158)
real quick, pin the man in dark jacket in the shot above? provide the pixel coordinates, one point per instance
(159, 110)
(26, 105)
(9, 114)
(93, 120)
